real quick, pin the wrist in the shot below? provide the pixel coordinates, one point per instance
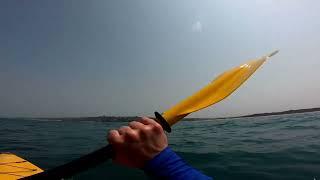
(161, 161)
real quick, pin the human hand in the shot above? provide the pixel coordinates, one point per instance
(137, 143)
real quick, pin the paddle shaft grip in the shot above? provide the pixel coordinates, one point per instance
(87, 161)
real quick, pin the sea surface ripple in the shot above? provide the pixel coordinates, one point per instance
(285, 147)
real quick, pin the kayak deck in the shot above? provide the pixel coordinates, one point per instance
(13, 167)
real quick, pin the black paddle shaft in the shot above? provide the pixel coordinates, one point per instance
(78, 165)
(87, 161)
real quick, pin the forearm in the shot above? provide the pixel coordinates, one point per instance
(168, 165)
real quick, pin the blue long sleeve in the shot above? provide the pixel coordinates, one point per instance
(168, 165)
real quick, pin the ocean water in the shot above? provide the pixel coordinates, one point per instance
(285, 147)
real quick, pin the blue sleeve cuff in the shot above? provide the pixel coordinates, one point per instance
(168, 165)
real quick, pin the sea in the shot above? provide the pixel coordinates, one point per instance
(284, 147)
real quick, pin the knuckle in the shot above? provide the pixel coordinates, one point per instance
(132, 123)
(147, 129)
(157, 127)
(145, 118)
(130, 132)
(144, 130)
(111, 134)
(133, 135)
(123, 128)
(113, 138)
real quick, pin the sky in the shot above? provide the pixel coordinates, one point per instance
(122, 58)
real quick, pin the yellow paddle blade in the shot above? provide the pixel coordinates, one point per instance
(13, 167)
(220, 88)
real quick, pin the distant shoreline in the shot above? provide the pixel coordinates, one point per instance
(297, 111)
(130, 118)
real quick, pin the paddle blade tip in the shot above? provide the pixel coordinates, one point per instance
(273, 53)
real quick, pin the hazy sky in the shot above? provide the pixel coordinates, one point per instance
(88, 58)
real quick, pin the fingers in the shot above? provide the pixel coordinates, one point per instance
(128, 134)
(134, 131)
(151, 123)
(118, 136)
(147, 121)
(114, 137)
(136, 125)
(123, 130)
